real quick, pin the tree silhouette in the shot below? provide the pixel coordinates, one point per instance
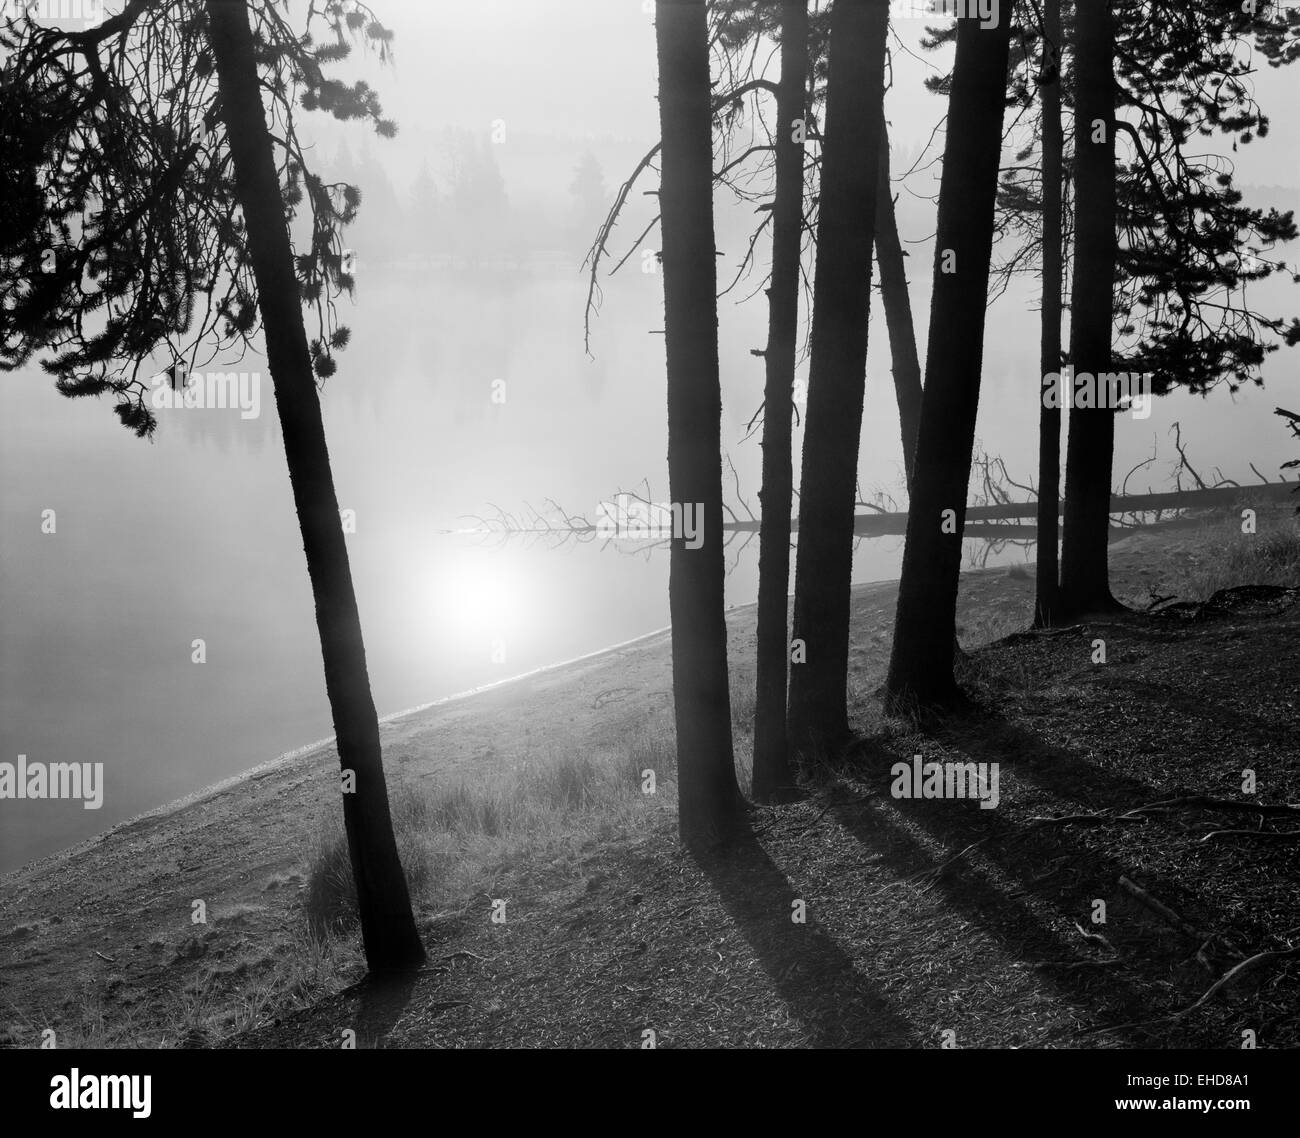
(837, 372)
(1084, 585)
(710, 807)
(921, 664)
(154, 220)
(1185, 247)
(772, 775)
(1046, 579)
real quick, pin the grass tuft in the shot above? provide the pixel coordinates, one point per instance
(1248, 559)
(452, 837)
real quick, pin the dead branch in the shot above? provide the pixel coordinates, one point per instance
(1167, 914)
(1204, 802)
(1183, 464)
(744, 264)
(1006, 476)
(1045, 633)
(1235, 973)
(599, 247)
(1082, 820)
(1095, 938)
(632, 248)
(569, 519)
(1123, 490)
(1230, 977)
(1262, 835)
(884, 503)
(935, 871)
(1163, 911)
(736, 480)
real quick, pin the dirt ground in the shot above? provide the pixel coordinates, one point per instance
(901, 942)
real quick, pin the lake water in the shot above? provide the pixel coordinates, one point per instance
(193, 536)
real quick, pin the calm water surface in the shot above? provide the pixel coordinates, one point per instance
(193, 536)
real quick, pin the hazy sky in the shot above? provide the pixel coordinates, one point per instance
(573, 67)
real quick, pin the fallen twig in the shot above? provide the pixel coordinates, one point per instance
(935, 870)
(1233, 974)
(1095, 938)
(1265, 835)
(1204, 802)
(1236, 973)
(1162, 910)
(1083, 819)
(1044, 633)
(1138, 813)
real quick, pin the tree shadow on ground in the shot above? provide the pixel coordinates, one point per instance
(377, 1004)
(1025, 885)
(837, 1005)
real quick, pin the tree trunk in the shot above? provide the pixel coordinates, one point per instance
(1085, 577)
(709, 804)
(1049, 418)
(898, 311)
(921, 665)
(773, 778)
(837, 373)
(387, 924)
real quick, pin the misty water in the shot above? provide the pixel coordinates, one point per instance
(193, 536)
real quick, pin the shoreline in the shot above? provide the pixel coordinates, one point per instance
(284, 759)
(97, 939)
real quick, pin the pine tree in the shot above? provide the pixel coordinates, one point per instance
(710, 807)
(142, 189)
(921, 664)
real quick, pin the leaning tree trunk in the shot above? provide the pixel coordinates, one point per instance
(1085, 575)
(387, 925)
(898, 311)
(773, 778)
(709, 804)
(1049, 418)
(921, 665)
(837, 374)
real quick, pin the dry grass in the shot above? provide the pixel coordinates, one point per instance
(1271, 558)
(923, 918)
(452, 837)
(218, 1002)
(742, 730)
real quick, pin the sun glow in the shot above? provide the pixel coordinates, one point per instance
(480, 602)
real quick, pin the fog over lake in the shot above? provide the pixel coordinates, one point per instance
(193, 536)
